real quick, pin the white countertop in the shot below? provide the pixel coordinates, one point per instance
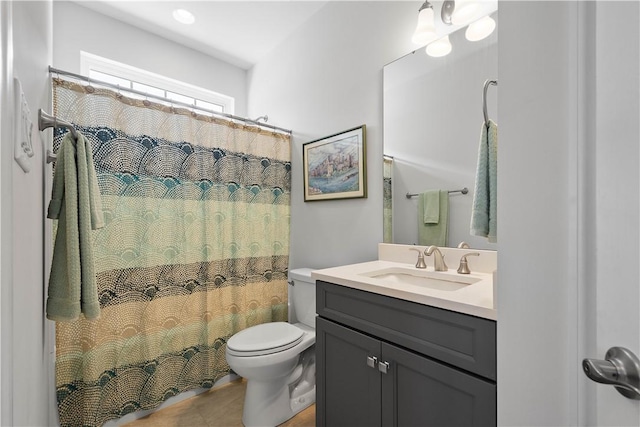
(475, 299)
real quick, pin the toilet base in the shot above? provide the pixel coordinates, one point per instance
(303, 402)
(265, 406)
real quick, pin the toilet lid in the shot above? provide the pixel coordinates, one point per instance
(266, 338)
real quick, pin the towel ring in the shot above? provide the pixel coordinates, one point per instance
(487, 83)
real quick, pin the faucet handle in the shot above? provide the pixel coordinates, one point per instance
(464, 266)
(463, 245)
(420, 262)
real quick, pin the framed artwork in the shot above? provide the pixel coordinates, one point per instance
(335, 167)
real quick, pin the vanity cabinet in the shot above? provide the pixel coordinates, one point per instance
(383, 361)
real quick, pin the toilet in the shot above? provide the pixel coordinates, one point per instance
(278, 359)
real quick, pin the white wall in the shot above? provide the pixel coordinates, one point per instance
(26, 390)
(77, 28)
(326, 78)
(538, 363)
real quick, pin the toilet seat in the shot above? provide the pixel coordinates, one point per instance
(267, 338)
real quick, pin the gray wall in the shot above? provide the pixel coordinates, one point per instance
(326, 78)
(78, 28)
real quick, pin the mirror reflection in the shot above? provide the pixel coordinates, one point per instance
(433, 118)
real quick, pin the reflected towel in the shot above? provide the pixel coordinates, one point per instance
(430, 233)
(485, 197)
(430, 201)
(75, 203)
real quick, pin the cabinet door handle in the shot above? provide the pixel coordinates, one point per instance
(383, 367)
(371, 361)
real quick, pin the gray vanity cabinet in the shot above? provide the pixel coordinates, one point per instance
(377, 365)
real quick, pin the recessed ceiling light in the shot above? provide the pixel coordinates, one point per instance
(184, 16)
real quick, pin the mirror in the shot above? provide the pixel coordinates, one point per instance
(433, 117)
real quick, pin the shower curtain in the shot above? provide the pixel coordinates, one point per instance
(195, 248)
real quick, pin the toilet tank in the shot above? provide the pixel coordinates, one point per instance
(302, 297)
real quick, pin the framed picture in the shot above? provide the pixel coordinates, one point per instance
(335, 167)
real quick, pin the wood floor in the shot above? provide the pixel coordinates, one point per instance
(221, 407)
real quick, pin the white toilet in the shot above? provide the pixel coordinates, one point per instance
(278, 359)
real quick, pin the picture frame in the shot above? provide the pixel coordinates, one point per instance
(335, 167)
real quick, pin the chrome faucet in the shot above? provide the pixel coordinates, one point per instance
(438, 258)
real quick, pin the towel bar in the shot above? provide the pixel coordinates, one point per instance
(465, 190)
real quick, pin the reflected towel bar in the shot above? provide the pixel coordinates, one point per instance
(465, 190)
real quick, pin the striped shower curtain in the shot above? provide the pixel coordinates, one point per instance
(195, 248)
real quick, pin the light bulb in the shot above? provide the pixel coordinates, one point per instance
(440, 47)
(184, 16)
(480, 29)
(426, 29)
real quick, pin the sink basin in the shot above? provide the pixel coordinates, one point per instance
(429, 279)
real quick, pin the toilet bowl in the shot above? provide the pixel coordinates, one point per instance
(278, 359)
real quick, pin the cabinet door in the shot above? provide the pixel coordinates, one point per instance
(418, 391)
(347, 389)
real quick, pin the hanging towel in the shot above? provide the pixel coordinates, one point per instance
(75, 203)
(433, 205)
(485, 197)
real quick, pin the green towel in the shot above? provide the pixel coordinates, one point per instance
(430, 233)
(484, 218)
(430, 201)
(75, 203)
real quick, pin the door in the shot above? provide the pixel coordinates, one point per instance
(568, 210)
(418, 391)
(352, 389)
(611, 294)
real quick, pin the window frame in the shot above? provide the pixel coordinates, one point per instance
(97, 63)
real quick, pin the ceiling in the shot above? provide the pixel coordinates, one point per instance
(238, 32)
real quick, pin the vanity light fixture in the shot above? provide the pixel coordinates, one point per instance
(440, 47)
(426, 29)
(454, 13)
(448, 6)
(480, 29)
(465, 11)
(183, 16)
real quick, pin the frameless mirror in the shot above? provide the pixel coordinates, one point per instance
(433, 115)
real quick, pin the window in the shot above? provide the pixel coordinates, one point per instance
(130, 77)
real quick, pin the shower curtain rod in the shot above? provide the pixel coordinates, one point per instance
(163, 99)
